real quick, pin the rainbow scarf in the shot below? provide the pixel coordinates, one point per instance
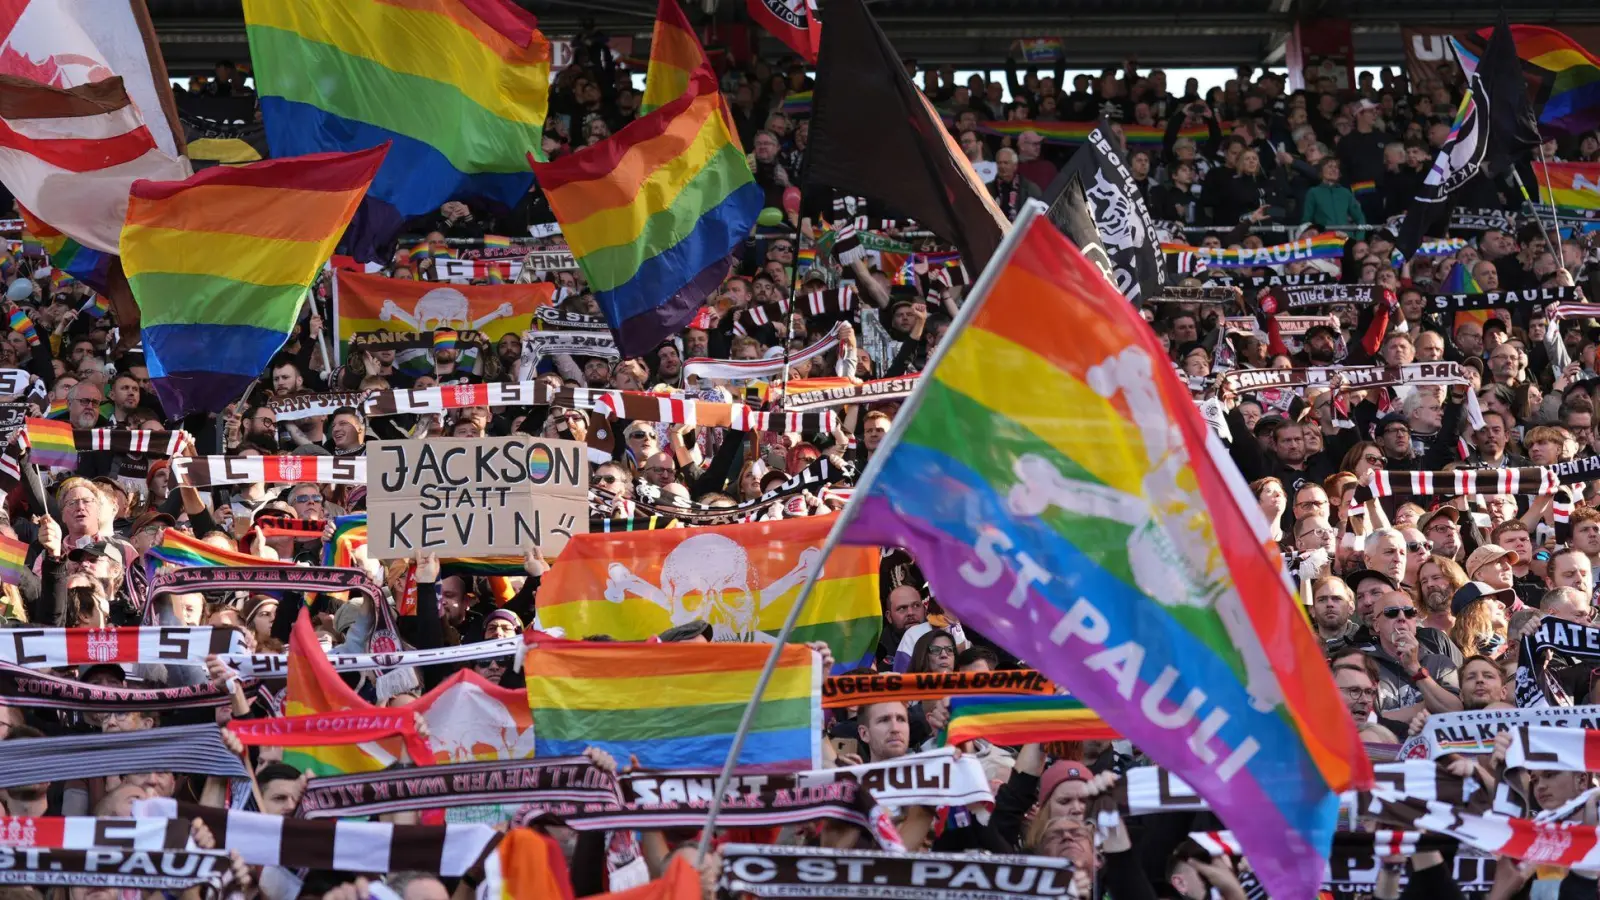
(13, 560)
(1053, 479)
(1011, 720)
(1078, 132)
(673, 705)
(21, 323)
(497, 241)
(444, 339)
(1323, 246)
(349, 532)
(1445, 247)
(1363, 188)
(181, 551)
(223, 259)
(53, 444)
(481, 67)
(688, 198)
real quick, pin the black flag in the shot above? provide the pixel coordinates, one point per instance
(873, 134)
(1126, 233)
(1070, 213)
(1494, 126)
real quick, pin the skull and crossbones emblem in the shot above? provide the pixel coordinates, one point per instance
(708, 576)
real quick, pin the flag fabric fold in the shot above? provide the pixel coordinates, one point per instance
(460, 89)
(1564, 78)
(220, 264)
(70, 156)
(910, 163)
(654, 212)
(1064, 497)
(314, 688)
(794, 23)
(675, 56)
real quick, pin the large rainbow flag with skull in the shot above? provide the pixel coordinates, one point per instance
(743, 579)
(1054, 480)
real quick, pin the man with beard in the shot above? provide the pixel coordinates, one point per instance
(1442, 527)
(903, 609)
(596, 372)
(668, 364)
(1438, 579)
(1332, 606)
(444, 366)
(508, 350)
(1319, 347)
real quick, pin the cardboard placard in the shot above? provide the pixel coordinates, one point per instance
(475, 497)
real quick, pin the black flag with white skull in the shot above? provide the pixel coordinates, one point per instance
(1127, 234)
(1070, 213)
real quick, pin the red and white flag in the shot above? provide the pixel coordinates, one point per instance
(792, 21)
(70, 155)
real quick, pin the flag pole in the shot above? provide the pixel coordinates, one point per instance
(980, 290)
(1550, 197)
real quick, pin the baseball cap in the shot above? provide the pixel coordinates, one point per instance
(96, 550)
(1355, 578)
(1065, 770)
(1477, 590)
(1449, 512)
(1486, 554)
(151, 517)
(1365, 105)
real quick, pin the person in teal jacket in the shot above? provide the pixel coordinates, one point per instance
(1331, 203)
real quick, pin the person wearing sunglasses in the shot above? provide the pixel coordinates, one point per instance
(1410, 679)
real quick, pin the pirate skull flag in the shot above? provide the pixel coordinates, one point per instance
(1127, 233)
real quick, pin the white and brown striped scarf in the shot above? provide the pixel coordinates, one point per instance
(207, 471)
(1526, 480)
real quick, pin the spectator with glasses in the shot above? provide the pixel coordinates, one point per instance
(1356, 675)
(1409, 678)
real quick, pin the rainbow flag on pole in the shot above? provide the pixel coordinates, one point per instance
(654, 212)
(220, 263)
(1064, 497)
(1012, 720)
(52, 443)
(764, 561)
(675, 706)
(13, 560)
(1564, 78)
(89, 266)
(675, 55)
(458, 87)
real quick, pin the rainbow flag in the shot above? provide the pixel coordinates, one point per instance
(526, 865)
(442, 251)
(60, 280)
(1563, 77)
(31, 245)
(458, 87)
(498, 241)
(1013, 720)
(1064, 498)
(419, 252)
(349, 532)
(675, 706)
(1047, 49)
(13, 560)
(58, 410)
(806, 258)
(766, 558)
(1324, 246)
(221, 261)
(653, 213)
(21, 323)
(675, 55)
(1363, 188)
(52, 443)
(180, 551)
(494, 274)
(315, 687)
(796, 104)
(1571, 186)
(1078, 132)
(95, 307)
(92, 267)
(1460, 281)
